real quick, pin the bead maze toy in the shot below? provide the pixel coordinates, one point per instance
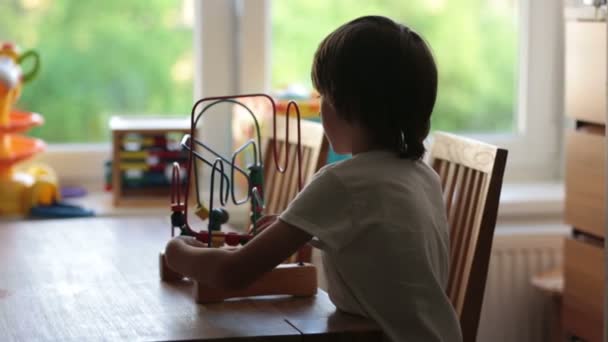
(20, 190)
(297, 279)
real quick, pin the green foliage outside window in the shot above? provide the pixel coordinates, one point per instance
(135, 57)
(100, 58)
(474, 43)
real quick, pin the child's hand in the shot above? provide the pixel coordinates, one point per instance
(193, 242)
(190, 241)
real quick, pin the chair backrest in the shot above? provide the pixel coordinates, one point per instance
(471, 174)
(281, 188)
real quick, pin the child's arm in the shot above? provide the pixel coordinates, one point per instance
(233, 269)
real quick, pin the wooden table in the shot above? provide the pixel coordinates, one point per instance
(97, 279)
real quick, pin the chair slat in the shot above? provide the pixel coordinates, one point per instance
(440, 166)
(291, 185)
(458, 226)
(471, 174)
(456, 195)
(450, 186)
(275, 192)
(285, 179)
(306, 160)
(279, 188)
(282, 178)
(465, 199)
(473, 233)
(466, 244)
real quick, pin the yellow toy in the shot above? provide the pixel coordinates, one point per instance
(20, 190)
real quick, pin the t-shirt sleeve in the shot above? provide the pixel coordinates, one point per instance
(324, 210)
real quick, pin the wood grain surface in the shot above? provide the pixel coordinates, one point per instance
(97, 279)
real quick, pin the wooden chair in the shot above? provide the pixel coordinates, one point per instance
(281, 188)
(471, 175)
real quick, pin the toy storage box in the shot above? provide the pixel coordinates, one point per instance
(143, 150)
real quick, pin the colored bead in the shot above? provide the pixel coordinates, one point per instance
(185, 232)
(202, 212)
(203, 237)
(217, 239)
(177, 219)
(221, 215)
(232, 239)
(217, 217)
(177, 207)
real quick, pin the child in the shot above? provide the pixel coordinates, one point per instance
(379, 217)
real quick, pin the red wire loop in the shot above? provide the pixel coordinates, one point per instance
(290, 104)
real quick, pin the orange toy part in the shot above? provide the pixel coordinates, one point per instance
(21, 121)
(16, 148)
(38, 186)
(308, 108)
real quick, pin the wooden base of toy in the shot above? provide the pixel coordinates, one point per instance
(286, 279)
(166, 273)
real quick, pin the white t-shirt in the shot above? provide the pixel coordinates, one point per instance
(381, 226)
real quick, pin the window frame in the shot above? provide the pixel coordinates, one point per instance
(228, 27)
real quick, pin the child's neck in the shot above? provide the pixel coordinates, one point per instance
(358, 151)
(362, 142)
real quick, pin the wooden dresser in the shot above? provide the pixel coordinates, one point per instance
(585, 92)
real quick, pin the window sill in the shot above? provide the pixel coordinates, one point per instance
(520, 202)
(101, 202)
(532, 201)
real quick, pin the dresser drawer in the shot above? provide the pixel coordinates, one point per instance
(585, 70)
(583, 290)
(585, 174)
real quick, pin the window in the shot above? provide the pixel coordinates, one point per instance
(474, 43)
(100, 58)
(514, 99)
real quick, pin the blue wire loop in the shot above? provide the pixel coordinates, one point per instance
(233, 166)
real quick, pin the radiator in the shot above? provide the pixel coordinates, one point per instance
(513, 310)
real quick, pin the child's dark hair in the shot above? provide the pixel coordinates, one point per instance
(382, 75)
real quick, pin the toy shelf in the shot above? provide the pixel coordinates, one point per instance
(143, 150)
